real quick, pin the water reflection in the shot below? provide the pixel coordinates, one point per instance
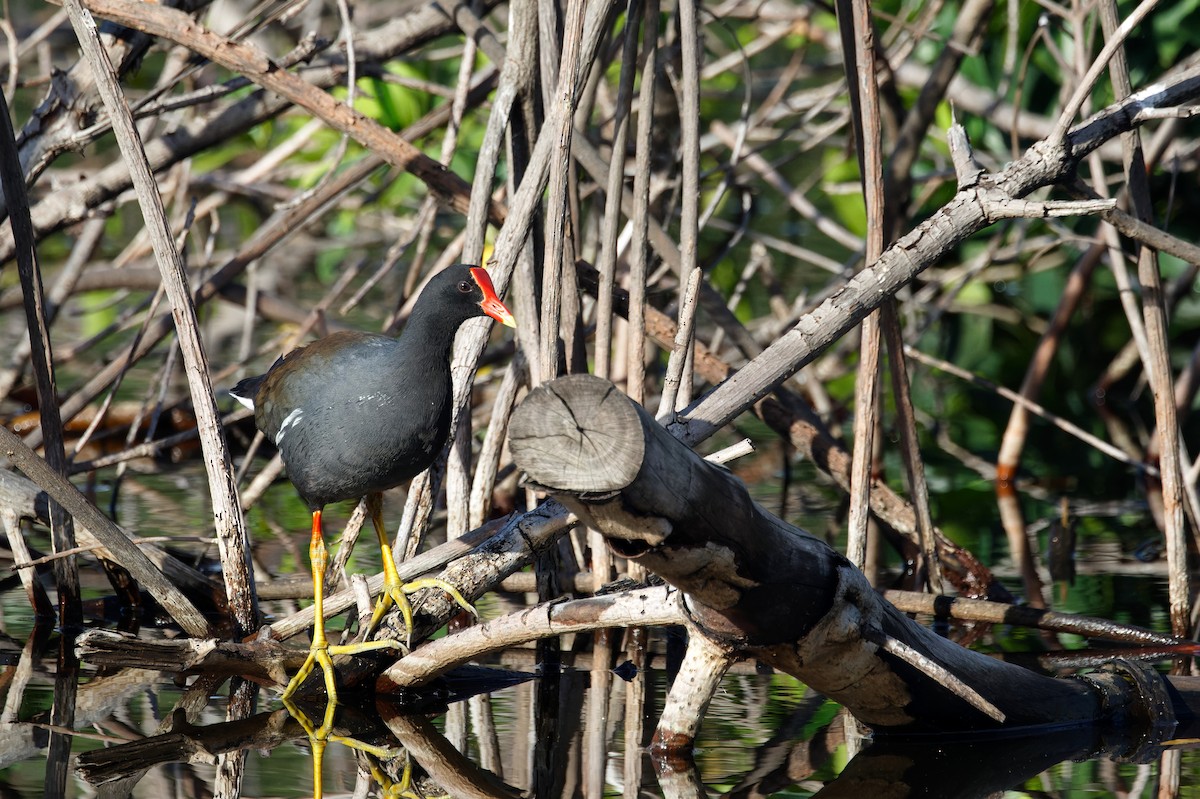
(564, 734)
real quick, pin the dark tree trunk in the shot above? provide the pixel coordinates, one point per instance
(763, 588)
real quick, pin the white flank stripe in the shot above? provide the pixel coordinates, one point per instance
(291, 419)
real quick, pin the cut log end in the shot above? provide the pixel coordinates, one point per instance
(575, 435)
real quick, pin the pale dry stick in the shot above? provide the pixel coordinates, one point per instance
(606, 263)
(23, 562)
(1114, 41)
(918, 487)
(81, 254)
(566, 97)
(488, 463)
(19, 677)
(254, 64)
(515, 70)
(1066, 426)
(678, 361)
(232, 538)
(689, 224)
(705, 663)
(102, 412)
(970, 23)
(550, 41)
(644, 607)
(639, 247)
(112, 537)
(796, 198)
(941, 674)
(1170, 772)
(473, 335)
(336, 574)
(866, 403)
(858, 43)
(732, 452)
(1158, 367)
(37, 325)
(971, 209)
(458, 480)
(458, 106)
(231, 764)
(75, 202)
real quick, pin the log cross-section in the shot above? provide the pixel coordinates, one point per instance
(760, 586)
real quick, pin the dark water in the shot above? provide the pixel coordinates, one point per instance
(763, 734)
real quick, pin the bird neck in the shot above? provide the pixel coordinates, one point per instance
(429, 332)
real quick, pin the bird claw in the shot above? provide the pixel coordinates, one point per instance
(320, 737)
(397, 592)
(318, 655)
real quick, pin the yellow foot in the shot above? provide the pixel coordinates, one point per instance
(322, 655)
(319, 737)
(396, 593)
(389, 788)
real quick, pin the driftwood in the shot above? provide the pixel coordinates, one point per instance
(761, 588)
(262, 659)
(171, 582)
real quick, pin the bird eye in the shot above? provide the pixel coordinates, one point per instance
(465, 287)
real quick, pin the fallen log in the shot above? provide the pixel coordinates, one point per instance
(759, 587)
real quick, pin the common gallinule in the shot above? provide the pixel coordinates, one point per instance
(356, 413)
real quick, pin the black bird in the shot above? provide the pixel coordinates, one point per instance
(356, 413)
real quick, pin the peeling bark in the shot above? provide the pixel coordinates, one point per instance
(765, 589)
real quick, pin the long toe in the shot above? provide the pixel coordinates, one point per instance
(433, 582)
(300, 676)
(317, 656)
(399, 593)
